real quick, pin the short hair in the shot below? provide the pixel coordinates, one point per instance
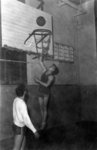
(21, 88)
(56, 71)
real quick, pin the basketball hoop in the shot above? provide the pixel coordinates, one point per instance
(42, 39)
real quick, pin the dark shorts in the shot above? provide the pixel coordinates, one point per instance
(40, 94)
(18, 130)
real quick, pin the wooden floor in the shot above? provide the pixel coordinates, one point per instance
(83, 136)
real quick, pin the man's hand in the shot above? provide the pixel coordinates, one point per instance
(36, 135)
(41, 58)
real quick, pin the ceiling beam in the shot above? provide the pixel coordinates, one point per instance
(79, 8)
(67, 2)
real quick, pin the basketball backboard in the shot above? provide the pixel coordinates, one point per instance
(19, 21)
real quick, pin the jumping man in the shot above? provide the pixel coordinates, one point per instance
(45, 84)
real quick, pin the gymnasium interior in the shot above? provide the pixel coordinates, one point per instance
(72, 108)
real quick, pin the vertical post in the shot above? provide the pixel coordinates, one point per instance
(0, 26)
(0, 42)
(0, 62)
(95, 13)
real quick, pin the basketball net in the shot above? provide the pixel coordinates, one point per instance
(42, 39)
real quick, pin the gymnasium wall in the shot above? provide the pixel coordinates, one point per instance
(88, 63)
(87, 46)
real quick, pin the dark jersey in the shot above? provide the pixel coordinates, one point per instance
(43, 89)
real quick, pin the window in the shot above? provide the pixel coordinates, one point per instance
(63, 52)
(12, 67)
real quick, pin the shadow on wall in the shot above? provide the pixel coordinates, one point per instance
(89, 102)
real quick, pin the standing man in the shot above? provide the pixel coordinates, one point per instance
(21, 118)
(45, 84)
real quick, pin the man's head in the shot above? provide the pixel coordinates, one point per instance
(21, 91)
(53, 69)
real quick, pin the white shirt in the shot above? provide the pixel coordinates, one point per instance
(20, 114)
